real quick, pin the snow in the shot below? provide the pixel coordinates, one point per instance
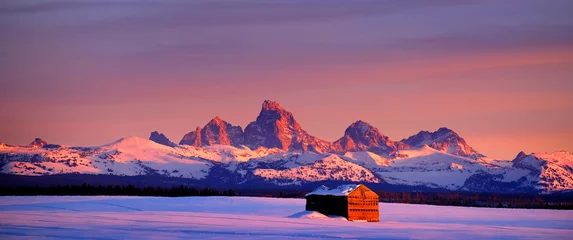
(226, 153)
(315, 215)
(331, 167)
(368, 159)
(561, 158)
(422, 166)
(513, 174)
(448, 179)
(426, 166)
(342, 190)
(261, 218)
(456, 166)
(126, 157)
(556, 170)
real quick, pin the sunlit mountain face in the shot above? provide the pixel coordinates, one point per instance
(274, 150)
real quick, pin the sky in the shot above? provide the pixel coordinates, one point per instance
(83, 73)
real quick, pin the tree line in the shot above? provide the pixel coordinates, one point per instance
(468, 199)
(112, 190)
(465, 199)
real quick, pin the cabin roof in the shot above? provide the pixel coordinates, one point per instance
(342, 190)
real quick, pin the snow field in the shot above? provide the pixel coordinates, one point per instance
(261, 218)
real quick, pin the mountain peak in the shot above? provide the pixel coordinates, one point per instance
(38, 142)
(444, 130)
(360, 136)
(361, 127)
(276, 127)
(161, 139)
(271, 105)
(445, 140)
(217, 120)
(216, 131)
(521, 155)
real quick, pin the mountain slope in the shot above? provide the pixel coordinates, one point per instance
(276, 127)
(216, 131)
(416, 167)
(429, 167)
(361, 136)
(275, 150)
(548, 172)
(161, 139)
(331, 167)
(444, 140)
(127, 157)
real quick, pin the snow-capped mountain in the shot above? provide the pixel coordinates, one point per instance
(276, 127)
(217, 131)
(38, 143)
(274, 150)
(548, 171)
(361, 136)
(330, 167)
(127, 156)
(445, 140)
(423, 167)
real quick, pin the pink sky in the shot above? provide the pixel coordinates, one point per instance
(497, 72)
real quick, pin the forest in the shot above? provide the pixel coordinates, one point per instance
(112, 190)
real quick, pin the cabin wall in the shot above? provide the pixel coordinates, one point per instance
(363, 205)
(328, 205)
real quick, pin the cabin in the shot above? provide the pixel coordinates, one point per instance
(355, 202)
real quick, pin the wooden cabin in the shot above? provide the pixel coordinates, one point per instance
(355, 202)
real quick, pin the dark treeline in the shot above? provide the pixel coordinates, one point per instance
(465, 199)
(496, 200)
(111, 190)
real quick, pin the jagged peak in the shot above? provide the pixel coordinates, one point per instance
(445, 131)
(424, 132)
(155, 134)
(217, 120)
(272, 111)
(438, 134)
(38, 142)
(360, 125)
(521, 155)
(160, 138)
(443, 139)
(272, 105)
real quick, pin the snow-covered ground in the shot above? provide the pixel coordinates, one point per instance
(261, 218)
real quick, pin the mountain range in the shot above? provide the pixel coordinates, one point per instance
(274, 150)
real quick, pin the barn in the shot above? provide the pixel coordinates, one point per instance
(355, 202)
